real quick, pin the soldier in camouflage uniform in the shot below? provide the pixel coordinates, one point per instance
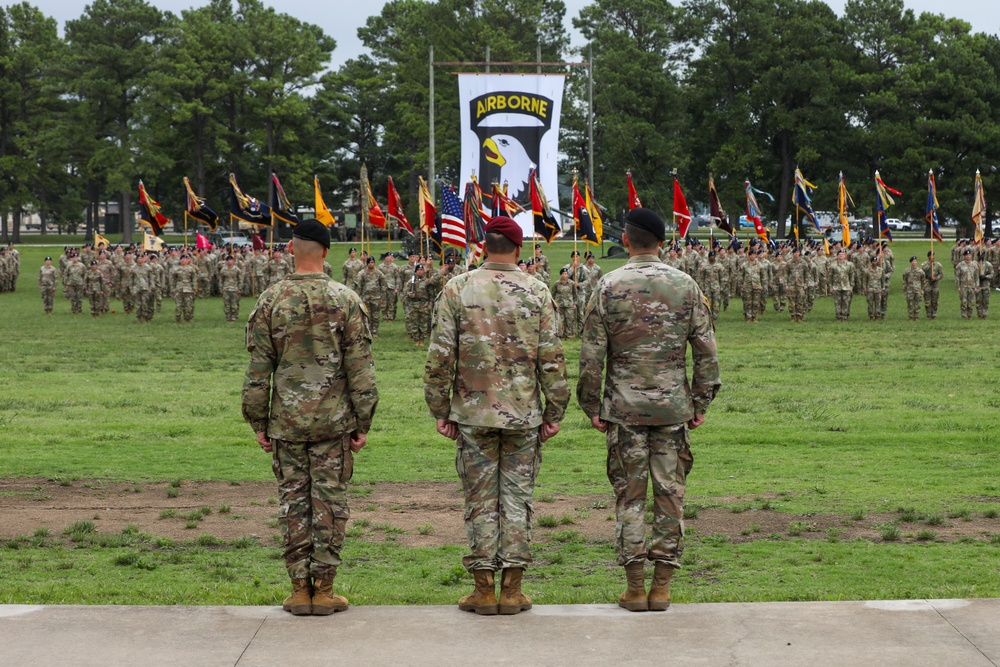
(48, 276)
(182, 287)
(797, 275)
(873, 288)
(493, 354)
(541, 264)
(310, 395)
(752, 286)
(842, 285)
(73, 284)
(159, 278)
(95, 288)
(277, 268)
(983, 290)
(391, 273)
(913, 288)
(371, 289)
(230, 280)
(564, 295)
(640, 322)
(143, 284)
(714, 278)
(780, 282)
(351, 269)
(933, 273)
(417, 291)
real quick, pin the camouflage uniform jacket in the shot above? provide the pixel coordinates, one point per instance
(183, 280)
(351, 269)
(494, 350)
(932, 277)
(641, 320)
(391, 274)
(143, 278)
(74, 275)
(47, 276)
(913, 280)
(371, 285)
(311, 374)
(230, 278)
(842, 276)
(93, 282)
(564, 294)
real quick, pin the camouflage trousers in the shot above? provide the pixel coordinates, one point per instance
(231, 305)
(796, 301)
(374, 308)
(983, 302)
(128, 302)
(913, 304)
(158, 300)
(568, 326)
(75, 295)
(204, 287)
(498, 469)
(389, 305)
(874, 304)
(418, 318)
(751, 299)
(884, 306)
(636, 454)
(48, 298)
(313, 513)
(780, 302)
(967, 300)
(715, 301)
(931, 296)
(842, 303)
(184, 306)
(144, 305)
(96, 303)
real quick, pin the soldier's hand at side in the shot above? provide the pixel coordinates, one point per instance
(599, 424)
(547, 431)
(447, 428)
(358, 440)
(264, 441)
(696, 422)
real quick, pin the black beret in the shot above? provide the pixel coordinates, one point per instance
(418, 267)
(711, 254)
(967, 252)
(874, 259)
(371, 260)
(312, 230)
(575, 253)
(930, 253)
(520, 262)
(648, 220)
(913, 259)
(588, 255)
(93, 262)
(563, 270)
(48, 259)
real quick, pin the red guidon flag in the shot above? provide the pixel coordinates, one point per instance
(396, 208)
(681, 211)
(633, 198)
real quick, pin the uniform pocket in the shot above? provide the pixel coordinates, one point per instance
(347, 466)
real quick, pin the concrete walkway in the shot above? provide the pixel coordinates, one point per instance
(962, 633)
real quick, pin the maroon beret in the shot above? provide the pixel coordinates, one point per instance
(506, 227)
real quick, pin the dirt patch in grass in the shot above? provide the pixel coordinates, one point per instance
(414, 514)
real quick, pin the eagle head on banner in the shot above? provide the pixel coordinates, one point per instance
(510, 125)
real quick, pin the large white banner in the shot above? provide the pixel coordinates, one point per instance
(510, 122)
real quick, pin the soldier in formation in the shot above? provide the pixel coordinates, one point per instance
(564, 295)
(841, 283)
(95, 288)
(874, 288)
(143, 285)
(986, 274)
(352, 269)
(418, 302)
(913, 288)
(309, 395)
(933, 273)
(230, 279)
(500, 319)
(48, 278)
(391, 273)
(371, 289)
(183, 285)
(73, 281)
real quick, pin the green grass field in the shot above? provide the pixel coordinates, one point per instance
(817, 418)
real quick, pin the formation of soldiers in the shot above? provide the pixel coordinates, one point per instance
(794, 275)
(142, 279)
(788, 275)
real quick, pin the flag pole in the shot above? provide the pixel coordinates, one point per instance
(930, 178)
(185, 226)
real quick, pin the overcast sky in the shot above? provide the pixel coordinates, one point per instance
(342, 18)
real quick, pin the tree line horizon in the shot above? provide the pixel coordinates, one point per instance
(741, 89)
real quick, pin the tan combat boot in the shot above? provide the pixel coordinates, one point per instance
(659, 591)
(300, 601)
(634, 597)
(483, 600)
(512, 600)
(324, 602)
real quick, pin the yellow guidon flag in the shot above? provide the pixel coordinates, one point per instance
(150, 242)
(322, 212)
(98, 240)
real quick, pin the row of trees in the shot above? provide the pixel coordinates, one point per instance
(739, 88)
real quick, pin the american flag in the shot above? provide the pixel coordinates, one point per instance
(452, 220)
